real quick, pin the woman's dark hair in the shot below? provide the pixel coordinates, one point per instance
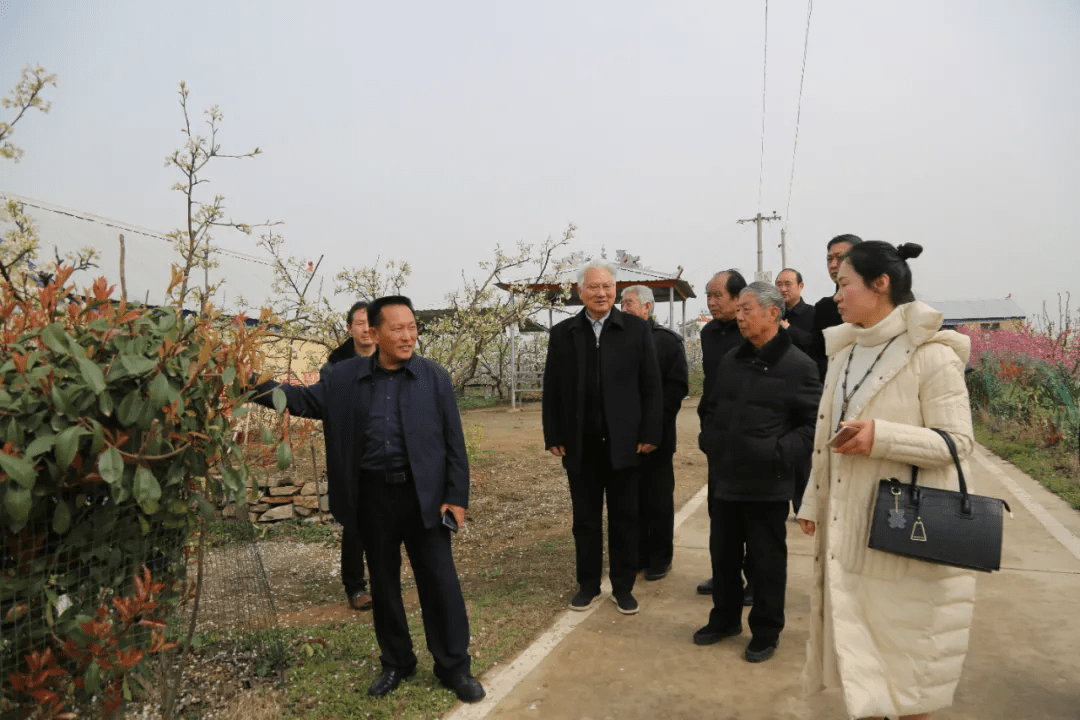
(874, 258)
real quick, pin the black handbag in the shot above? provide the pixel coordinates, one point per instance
(940, 526)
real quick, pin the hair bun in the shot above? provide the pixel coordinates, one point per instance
(906, 251)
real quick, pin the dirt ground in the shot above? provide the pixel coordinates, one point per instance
(514, 556)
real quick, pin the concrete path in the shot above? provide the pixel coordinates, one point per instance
(1024, 659)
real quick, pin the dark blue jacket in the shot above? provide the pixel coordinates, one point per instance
(429, 417)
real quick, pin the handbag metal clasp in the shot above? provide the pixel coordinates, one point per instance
(918, 531)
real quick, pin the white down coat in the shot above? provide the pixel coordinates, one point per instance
(890, 632)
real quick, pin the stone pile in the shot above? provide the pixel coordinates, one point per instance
(282, 497)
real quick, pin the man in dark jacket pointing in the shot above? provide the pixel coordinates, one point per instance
(758, 429)
(392, 424)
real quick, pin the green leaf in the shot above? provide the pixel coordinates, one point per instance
(67, 444)
(159, 390)
(130, 409)
(61, 520)
(61, 401)
(206, 509)
(111, 466)
(20, 470)
(105, 404)
(267, 436)
(229, 376)
(284, 456)
(280, 401)
(99, 438)
(147, 491)
(91, 374)
(56, 339)
(40, 445)
(92, 678)
(137, 364)
(17, 503)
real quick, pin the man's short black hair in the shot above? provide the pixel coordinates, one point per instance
(735, 282)
(374, 310)
(798, 275)
(852, 240)
(352, 311)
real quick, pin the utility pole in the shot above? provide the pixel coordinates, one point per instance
(783, 248)
(757, 221)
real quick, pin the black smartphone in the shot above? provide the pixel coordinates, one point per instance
(449, 522)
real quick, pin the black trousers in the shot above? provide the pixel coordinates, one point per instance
(656, 510)
(710, 504)
(588, 486)
(760, 528)
(352, 558)
(390, 516)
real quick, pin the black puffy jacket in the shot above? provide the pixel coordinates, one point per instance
(758, 424)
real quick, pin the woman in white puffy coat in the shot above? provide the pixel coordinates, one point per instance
(889, 632)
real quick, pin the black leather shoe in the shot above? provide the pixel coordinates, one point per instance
(709, 635)
(761, 650)
(657, 573)
(466, 687)
(359, 600)
(705, 588)
(390, 679)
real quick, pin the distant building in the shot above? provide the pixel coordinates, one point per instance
(988, 314)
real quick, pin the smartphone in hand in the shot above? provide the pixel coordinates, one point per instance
(843, 435)
(449, 522)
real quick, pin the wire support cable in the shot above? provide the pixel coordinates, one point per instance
(764, 78)
(798, 113)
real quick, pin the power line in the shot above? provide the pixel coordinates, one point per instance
(798, 114)
(764, 77)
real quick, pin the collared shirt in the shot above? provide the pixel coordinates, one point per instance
(597, 325)
(382, 438)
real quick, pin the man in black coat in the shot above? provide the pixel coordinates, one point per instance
(392, 424)
(797, 317)
(718, 337)
(758, 430)
(825, 313)
(656, 496)
(602, 410)
(352, 547)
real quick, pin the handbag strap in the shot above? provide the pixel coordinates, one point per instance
(965, 501)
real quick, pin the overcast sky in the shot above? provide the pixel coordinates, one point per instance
(429, 132)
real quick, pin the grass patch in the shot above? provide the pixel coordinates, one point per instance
(329, 667)
(1056, 468)
(300, 531)
(697, 383)
(469, 402)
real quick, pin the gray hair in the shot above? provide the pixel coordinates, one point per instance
(644, 294)
(766, 294)
(604, 265)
